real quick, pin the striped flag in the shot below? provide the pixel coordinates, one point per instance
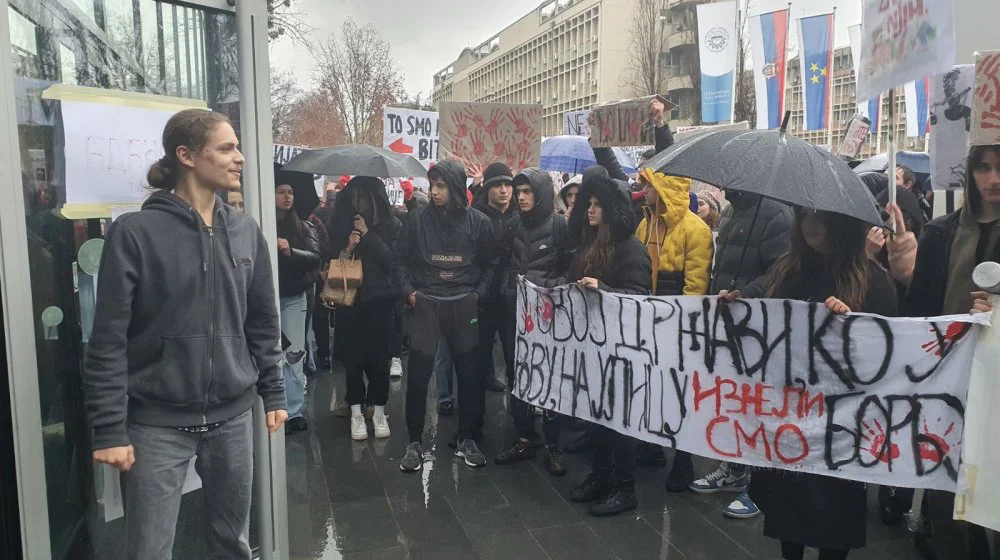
(816, 57)
(916, 95)
(768, 37)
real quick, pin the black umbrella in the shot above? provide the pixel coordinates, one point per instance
(774, 164)
(303, 188)
(356, 159)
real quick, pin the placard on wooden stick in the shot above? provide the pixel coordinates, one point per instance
(624, 123)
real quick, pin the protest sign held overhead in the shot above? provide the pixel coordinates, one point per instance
(854, 138)
(903, 41)
(575, 123)
(769, 383)
(478, 134)
(986, 103)
(624, 123)
(951, 122)
(411, 132)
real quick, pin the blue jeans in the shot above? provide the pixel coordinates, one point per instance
(293, 325)
(443, 372)
(152, 489)
(310, 365)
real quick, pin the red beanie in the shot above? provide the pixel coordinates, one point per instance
(344, 179)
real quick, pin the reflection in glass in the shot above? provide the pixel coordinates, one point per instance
(162, 49)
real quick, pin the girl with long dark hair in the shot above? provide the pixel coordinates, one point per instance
(826, 264)
(298, 261)
(364, 227)
(609, 258)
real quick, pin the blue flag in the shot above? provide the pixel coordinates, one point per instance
(816, 54)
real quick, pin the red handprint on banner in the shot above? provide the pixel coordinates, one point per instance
(529, 323)
(478, 144)
(877, 437)
(937, 448)
(461, 128)
(943, 343)
(496, 118)
(988, 91)
(518, 117)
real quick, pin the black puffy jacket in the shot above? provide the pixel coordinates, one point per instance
(297, 272)
(631, 271)
(504, 225)
(541, 249)
(768, 241)
(446, 251)
(375, 248)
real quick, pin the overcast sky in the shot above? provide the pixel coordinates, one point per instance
(427, 35)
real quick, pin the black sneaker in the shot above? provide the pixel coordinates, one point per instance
(649, 455)
(297, 424)
(579, 445)
(517, 452)
(468, 450)
(446, 408)
(553, 461)
(596, 485)
(681, 473)
(621, 500)
(413, 459)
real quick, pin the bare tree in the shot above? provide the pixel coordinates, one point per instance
(286, 96)
(417, 102)
(284, 21)
(314, 123)
(358, 76)
(643, 72)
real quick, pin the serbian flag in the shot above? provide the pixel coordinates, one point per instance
(916, 95)
(768, 37)
(816, 52)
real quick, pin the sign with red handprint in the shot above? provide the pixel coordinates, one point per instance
(624, 123)
(986, 101)
(478, 134)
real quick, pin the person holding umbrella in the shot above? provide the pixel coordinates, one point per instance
(298, 261)
(826, 262)
(364, 227)
(443, 264)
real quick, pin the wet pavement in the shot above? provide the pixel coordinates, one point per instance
(349, 500)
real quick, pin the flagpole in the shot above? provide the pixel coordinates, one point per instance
(736, 67)
(788, 33)
(829, 81)
(891, 141)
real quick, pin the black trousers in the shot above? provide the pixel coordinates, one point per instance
(396, 334)
(793, 551)
(522, 413)
(614, 454)
(458, 322)
(321, 326)
(364, 336)
(952, 539)
(494, 319)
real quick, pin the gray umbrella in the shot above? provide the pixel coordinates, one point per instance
(774, 164)
(356, 159)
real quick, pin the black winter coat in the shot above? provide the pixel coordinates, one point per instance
(446, 252)
(606, 157)
(631, 271)
(504, 225)
(925, 297)
(768, 241)
(375, 248)
(541, 249)
(297, 272)
(811, 509)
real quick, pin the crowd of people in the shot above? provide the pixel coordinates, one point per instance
(187, 333)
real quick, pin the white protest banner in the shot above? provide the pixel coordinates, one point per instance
(978, 497)
(283, 153)
(394, 190)
(411, 132)
(575, 123)
(951, 121)
(986, 104)
(769, 383)
(903, 41)
(478, 134)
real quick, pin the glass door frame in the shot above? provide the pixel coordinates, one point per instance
(270, 495)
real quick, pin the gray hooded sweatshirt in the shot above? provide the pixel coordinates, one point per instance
(187, 330)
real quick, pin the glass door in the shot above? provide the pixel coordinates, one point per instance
(70, 58)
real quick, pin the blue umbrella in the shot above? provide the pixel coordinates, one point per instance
(573, 154)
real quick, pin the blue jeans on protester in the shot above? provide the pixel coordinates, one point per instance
(293, 325)
(443, 372)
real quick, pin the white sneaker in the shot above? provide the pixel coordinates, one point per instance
(359, 430)
(381, 424)
(396, 369)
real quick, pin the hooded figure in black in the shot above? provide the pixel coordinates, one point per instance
(443, 264)
(608, 257)
(366, 229)
(540, 252)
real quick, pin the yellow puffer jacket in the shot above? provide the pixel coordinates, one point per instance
(683, 239)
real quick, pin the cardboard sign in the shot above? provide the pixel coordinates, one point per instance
(857, 132)
(410, 132)
(986, 104)
(575, 123)
(478, 134)
(951, 121)
(903, 41)
(769, 383)
(624, 123)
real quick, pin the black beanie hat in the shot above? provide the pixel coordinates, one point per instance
(496, 174)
